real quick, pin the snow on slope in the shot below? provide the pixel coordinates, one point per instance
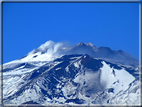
(46, 52)
(47, 76)
(130, 96)
(117, 79)
(85, 87)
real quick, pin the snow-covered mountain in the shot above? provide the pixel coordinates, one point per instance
(55, 74)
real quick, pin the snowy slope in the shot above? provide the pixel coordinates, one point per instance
(76, 79)
(49, 75)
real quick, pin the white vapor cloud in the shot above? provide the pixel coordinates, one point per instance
(47, 51)
(50, 47)
(57, 46)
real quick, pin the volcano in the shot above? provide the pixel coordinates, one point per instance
(54, 74)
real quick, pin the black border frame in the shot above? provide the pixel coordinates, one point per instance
(73, 1)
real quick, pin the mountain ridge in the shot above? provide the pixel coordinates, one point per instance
(51, 50)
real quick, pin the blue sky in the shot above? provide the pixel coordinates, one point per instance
(28, 25)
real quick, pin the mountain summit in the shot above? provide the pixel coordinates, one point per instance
(51, 50)
(55, 74)
(105, 53)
